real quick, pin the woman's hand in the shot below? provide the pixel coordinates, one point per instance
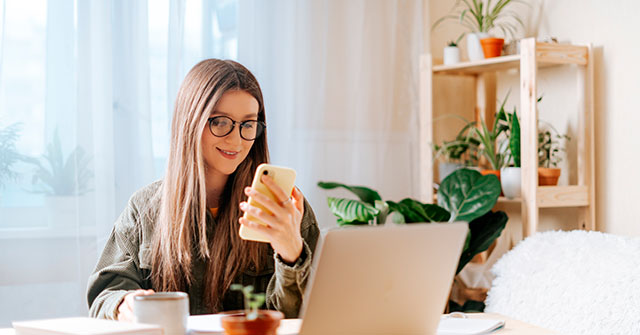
(283, 226)
(125, 310)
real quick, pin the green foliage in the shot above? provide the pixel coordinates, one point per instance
(456, 42)
(8, 153)
(351, 211)
(365, 194)
(252, 301)
(463, 149)
(465, 195)
(549, 147)
(56, 175)
(480, 16)
(482, 231)
(514, 138)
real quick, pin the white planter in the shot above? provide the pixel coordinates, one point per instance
(474, 48)
(510, 181)
(451, 55)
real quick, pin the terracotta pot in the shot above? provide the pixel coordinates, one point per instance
(492, 47)
(493, 172)
(548, 176)
(236, 323)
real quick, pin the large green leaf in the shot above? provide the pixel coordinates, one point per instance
(415, 211)
(363, 193)
(467, 194)
(351, 211)
(483, 231)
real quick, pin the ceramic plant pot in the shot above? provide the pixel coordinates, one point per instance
(451, 55)
(548, 176)
(474, 48)
(492, 47)
(493, 172)
(510, 181)
(236, 323)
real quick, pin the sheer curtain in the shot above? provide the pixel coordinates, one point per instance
(86, 96)
(340, 80)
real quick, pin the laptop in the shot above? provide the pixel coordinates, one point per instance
(392, 279)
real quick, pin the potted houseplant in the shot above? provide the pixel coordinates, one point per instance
(451, 52)
(549, 156)
(62, 180)
(481, 17)
(8, 153)
(251, 320)
(510, 176)
(490, 147)
(465, 195)
(458, 153)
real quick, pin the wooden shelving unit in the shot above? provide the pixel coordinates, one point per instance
(533, 55)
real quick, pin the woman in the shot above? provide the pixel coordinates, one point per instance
(181, 233)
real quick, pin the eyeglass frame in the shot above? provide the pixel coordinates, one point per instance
(233, 126)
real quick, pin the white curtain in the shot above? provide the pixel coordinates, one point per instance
(340, 80)
(100, 77)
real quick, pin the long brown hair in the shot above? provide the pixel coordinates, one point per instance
(181, 230)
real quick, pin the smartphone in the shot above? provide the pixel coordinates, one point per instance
(284, 177)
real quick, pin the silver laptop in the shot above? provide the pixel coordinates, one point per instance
(392, 279)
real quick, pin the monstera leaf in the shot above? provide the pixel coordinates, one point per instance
(363, 193)
(351, 211)
(482, 232)
(467, 194)
(415, 211)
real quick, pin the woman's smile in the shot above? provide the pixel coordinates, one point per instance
(228, 153)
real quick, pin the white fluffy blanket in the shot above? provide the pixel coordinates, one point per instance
(575, 282)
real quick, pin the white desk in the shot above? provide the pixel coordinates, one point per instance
(511, 327)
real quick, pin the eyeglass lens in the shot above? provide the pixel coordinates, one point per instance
(222, 126)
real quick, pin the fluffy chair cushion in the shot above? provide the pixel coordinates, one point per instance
(575, 282)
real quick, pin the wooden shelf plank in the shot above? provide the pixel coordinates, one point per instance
(547, 54)
(557, 196)
(485, 65)
(563, 196)
(552, 53)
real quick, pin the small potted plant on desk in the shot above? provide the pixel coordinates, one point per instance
(251, 321)
(549, 156)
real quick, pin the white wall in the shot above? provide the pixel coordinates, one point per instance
(612, 29)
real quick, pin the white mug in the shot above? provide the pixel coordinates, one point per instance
(170, 310)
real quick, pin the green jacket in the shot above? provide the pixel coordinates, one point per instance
(125, 265)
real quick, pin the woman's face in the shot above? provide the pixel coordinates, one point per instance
(222, 155)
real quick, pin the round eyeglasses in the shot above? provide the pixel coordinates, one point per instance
(221, 126)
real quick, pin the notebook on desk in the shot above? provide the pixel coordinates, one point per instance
(382, 280)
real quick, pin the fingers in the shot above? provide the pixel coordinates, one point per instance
(298, 199)
(280, 195)
(262, 199)
(266, 230)
(125, 310)
(259, 214)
